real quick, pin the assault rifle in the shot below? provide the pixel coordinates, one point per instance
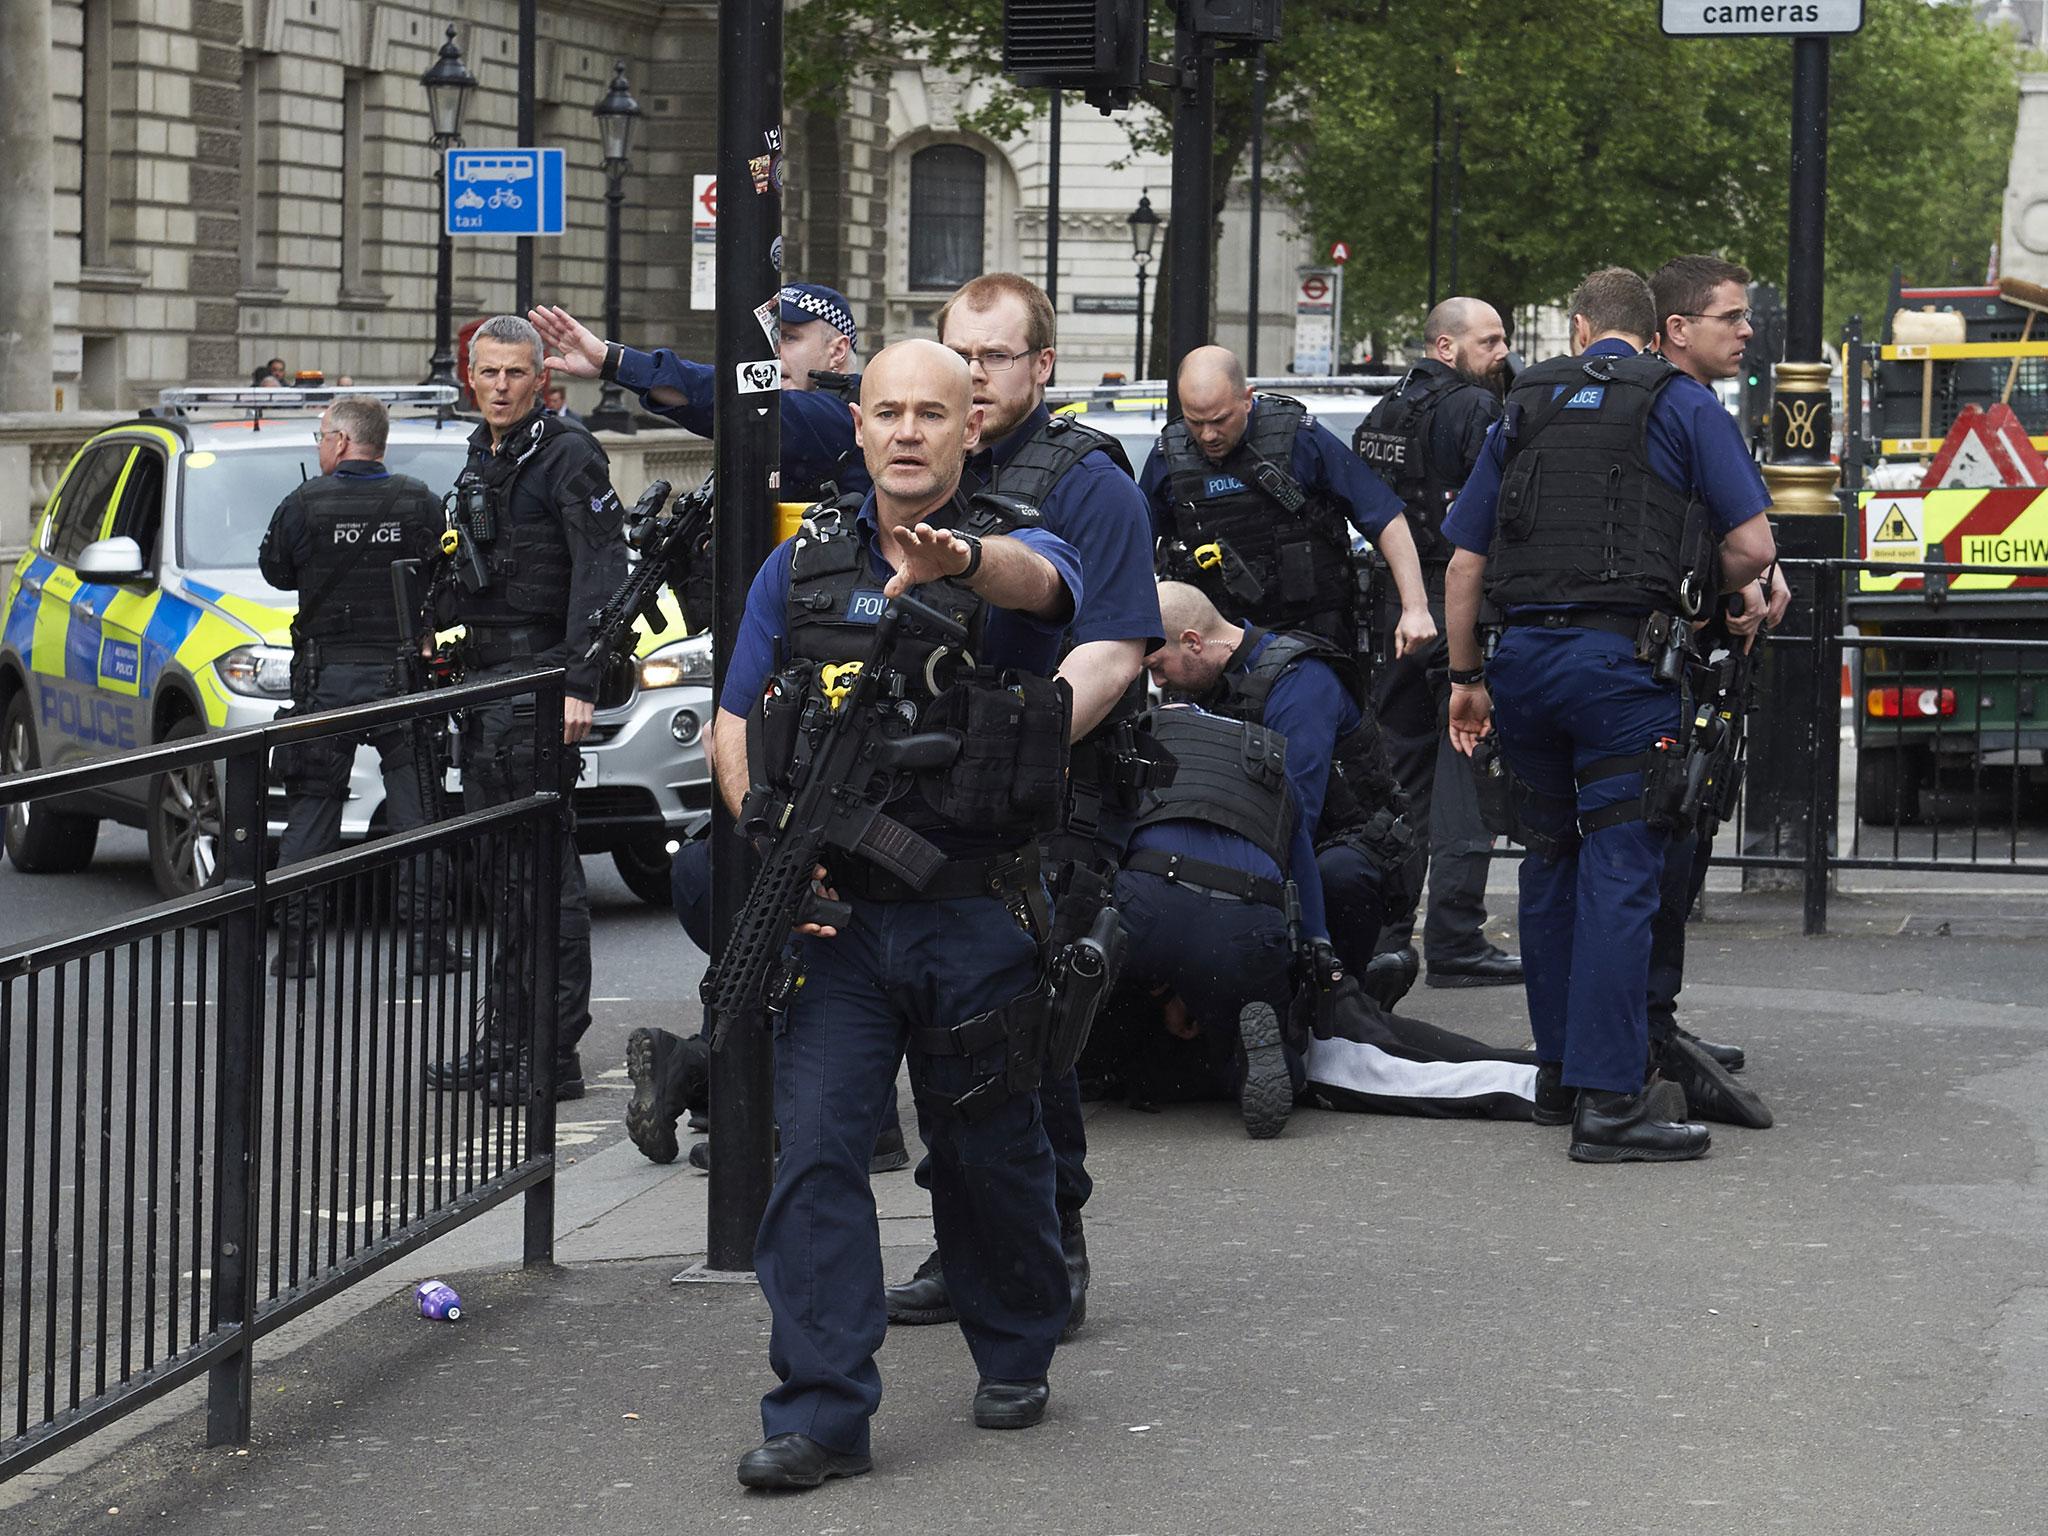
(413, 672)
(670, 549)
(1720, 731)
(847, 764)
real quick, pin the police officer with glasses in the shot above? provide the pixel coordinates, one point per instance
(539, 549)
(940, 970)
(1614, 498)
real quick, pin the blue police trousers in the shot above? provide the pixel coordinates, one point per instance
(1563, 699)
(896, 967)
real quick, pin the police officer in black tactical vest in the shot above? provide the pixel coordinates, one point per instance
(539, 551)
(332, 540)
(1423, 439)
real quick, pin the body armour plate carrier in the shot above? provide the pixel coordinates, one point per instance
(1230, 774)
(1299, 556)
(1361, 785)
(1583, 520)
(1395, 441)
(525, 549)
(1045, 457)
(1009, 782)
(357, 529)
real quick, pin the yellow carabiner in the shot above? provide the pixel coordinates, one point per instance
(1209, 557)
(836, 679)
(450, 541)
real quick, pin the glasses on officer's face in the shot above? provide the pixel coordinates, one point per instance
(995, 360)
(321, 434)
(1728, 317)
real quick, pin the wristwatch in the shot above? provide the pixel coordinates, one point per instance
(609, 372)
(1468, 677)
(973, 543)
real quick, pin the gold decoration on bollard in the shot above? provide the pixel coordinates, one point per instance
(1801, 476)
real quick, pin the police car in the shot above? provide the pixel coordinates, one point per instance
(136, 616)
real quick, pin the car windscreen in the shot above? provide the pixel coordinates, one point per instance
(230, 497)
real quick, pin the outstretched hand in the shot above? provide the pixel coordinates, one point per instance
(572, 347)
(925, 553)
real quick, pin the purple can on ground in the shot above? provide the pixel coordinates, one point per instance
(438, 1302)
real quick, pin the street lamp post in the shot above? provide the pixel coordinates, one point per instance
(615, 116)
(448, 84)
(1144, 230)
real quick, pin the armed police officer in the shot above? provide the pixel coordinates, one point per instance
(816, 334)
(538, 550)
(1255, 502)
(332, 540)
(1423, 439)
(1703, 331)
(1611, 493)
(949, 969)
(1080, 482)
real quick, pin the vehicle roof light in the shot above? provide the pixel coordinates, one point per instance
(241, 400)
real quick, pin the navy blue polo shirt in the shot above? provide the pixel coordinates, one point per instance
(1694, 446)
(363, 469)
(1311, 707)
(817, 428)
(1318, 463)
(1098, 509)
(1010, 639)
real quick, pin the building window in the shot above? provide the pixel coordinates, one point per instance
(96, 127)
(947, 188)
(352, 232)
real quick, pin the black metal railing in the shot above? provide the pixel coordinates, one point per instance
(196, 1146)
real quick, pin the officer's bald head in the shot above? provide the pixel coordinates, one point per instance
(1215, 400)
(1466, 334)
(916, 423)
(1199, 640)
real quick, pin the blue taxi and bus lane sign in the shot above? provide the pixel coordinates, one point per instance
(504, 191)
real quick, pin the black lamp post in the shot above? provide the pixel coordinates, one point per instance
(615, 116)
(448, 84)
(1144, 230)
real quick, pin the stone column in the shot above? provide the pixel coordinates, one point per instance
(25, 206)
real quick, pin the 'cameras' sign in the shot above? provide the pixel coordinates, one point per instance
(1761, 18)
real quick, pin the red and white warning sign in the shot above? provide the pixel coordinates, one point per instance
(1986, 449)
(1339, 254)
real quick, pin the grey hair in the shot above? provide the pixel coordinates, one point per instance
(512, 328)
(364, 419)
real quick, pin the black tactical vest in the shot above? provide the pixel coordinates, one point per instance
(1230, 774)
(1300, 560)
(1046, 456)
(1395, 441)
(1361, 784)
(527, 552)
(357, 527)
(1583, 520)
(1010, 781)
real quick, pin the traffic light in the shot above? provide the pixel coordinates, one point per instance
(1093, 46)
(1236, 21)
(1766, 345)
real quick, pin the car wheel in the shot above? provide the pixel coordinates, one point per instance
(644, 865)
(1888, 784)
(40, 840)
(184, 821)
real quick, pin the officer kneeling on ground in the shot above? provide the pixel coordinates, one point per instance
(948, 969)
(1609, 494)
(332, 540)
(539, 551)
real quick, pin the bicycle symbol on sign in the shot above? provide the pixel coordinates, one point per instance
(505, 197)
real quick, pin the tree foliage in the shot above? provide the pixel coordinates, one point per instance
(1585, 135)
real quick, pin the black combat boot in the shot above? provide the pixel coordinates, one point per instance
(1554, 1101)
(1629, 1128)
(922, 1298)
(670, 1075)
(1733, 1057)
(1712, 1093)
(507, 1086)
(487, 1052)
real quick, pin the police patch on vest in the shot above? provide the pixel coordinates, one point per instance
(1222, 485)
(1587, 399)
(1382, 450)
(865, 606)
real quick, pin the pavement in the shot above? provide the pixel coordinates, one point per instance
(1367, 1324)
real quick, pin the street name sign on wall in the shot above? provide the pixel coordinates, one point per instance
(1762, 18)
(504, 191)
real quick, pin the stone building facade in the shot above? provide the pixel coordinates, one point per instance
(224, 181)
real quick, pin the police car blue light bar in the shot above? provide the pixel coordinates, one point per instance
(302, 397)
